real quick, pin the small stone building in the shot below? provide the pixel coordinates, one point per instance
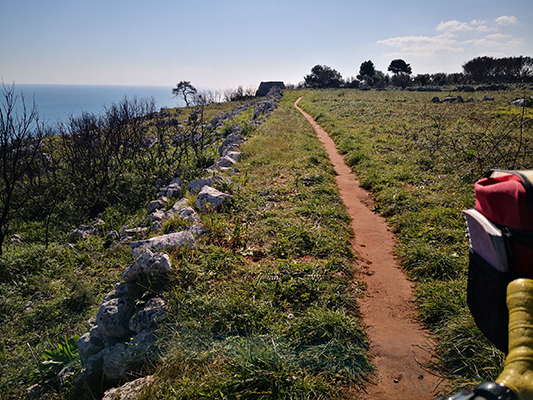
(265, 87)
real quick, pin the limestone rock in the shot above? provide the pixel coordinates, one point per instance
(113, 317)
(157, 204)
(148, 264)
(113, 235)
(196, 185)
(156, 226)
(80, 233)
(157, 215)
(168, 241)
(92, 366)
(235, 155)
(116, 364)
(265, 107)
(232, 143)
(89, 346)
(173, 189)
(210, 198)
(188, 214)
(149, 316)
(130, 232)
(223, 163)
(518, 103)
(123, 289)
(128, 391)
(124, 359)
(176, 208)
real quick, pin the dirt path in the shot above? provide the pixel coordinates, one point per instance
(397, 342)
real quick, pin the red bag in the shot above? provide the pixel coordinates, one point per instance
(506, 199)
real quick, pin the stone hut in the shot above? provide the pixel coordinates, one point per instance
(264, 87)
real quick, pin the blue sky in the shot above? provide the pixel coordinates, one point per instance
(225, 43)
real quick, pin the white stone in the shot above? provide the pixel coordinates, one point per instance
(149, 264)
(169, 241)
(210, 198)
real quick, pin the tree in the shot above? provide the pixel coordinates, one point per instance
(439, 78)
(489, 69)
(380, 79)
(99, 151)
(322, 76)
(479, 69)
(422, 79)
(352, 83)
(399, 67)
(367, 72)
(371, 76)
(239, 93)
(186, 91)
(21, 137)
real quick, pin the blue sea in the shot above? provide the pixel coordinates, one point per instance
(57, 102)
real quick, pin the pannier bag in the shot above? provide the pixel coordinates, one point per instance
(501, 247)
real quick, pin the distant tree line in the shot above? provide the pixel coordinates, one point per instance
(499, 70)
(476, 71)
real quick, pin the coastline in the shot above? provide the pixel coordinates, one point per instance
(58, 102)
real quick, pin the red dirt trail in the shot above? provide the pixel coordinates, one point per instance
(399, 346)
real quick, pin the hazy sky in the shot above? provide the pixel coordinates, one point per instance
(225, 43)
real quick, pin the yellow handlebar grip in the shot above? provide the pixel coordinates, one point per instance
(518, 372)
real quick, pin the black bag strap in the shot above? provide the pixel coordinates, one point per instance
(518, 236)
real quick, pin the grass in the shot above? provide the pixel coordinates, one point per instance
(264, 307)
(47, 294)
(420, 161)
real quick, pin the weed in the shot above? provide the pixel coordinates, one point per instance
(175, 224)
(64, 354)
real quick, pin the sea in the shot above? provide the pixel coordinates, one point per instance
(57, 102)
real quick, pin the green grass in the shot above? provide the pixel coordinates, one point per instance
(420, 161)
(47, 294)
(264, 307)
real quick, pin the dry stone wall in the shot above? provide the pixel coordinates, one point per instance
(124, 333)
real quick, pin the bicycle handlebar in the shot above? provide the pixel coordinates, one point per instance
(516, 380)
(485, 391)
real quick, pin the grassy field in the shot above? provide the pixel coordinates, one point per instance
(265, 306)
(49, 290)
(420, 160)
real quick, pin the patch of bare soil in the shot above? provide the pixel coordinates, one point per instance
(399, 346)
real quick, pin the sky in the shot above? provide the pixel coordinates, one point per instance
(220, 44)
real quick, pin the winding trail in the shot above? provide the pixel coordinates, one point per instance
(399, 346)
